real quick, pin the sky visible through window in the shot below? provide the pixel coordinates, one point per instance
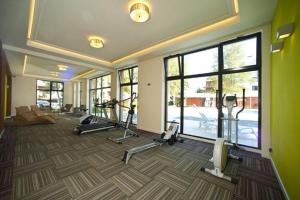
(207, 61)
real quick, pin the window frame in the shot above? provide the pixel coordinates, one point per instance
(131, 83)
(220, 72)
(96, 89)
(50, 90)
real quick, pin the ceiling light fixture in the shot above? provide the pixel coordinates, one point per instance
(139, 12)
(54, 74)
(285, 31)
(276, 47)
(96, 42)
(62, 67)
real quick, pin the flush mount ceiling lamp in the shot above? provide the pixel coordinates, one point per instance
(285, 31)
(96, 42)
(276, 47)
(54, 74)
(62, 67)
(139, 11)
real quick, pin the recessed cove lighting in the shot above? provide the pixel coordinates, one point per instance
(83, 74)
(96, 42)
(139, 11)
(285, 31)
(62, 67)
(276, 47)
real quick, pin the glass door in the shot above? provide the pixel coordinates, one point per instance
(200, 112)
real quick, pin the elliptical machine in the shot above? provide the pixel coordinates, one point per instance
(222, 150)
(128, 133)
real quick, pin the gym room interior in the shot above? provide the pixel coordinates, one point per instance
(149, 99)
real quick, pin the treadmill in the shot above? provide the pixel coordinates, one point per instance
(97, 123)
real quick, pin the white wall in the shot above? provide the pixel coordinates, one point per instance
(23, 92)
(83, 98)
(151, 95)
(266, 91)
(76, 94)
(68, 92)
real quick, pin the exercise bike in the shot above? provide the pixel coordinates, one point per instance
(223, 147)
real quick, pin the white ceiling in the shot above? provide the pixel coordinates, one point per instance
(75, 20)
(44, 67)
(67, 24)
(41, 67)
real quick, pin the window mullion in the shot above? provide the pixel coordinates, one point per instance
(220, 88)
(182, 94)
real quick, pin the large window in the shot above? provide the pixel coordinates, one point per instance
(192, 80)
(49, 94)
(100, 90)
(128, 79)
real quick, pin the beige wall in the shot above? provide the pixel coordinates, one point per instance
(151, 98)
(75, 88)
(24, 92)
(266, 92)
(68, 92)
(114, 85)
(84, 92)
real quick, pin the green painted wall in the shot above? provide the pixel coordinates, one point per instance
(285, 99)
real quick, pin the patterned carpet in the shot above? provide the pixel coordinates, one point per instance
(49, 162)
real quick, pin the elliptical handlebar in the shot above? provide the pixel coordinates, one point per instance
(223, 100)
(236, 103)
(235, 100)
(243, 107)
(106, 104)
(132, 98)
(172, 122)
(114, 102)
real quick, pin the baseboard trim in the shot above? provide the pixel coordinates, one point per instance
(1, 133)
(197, 139)
(146, 132)
(279, 179)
